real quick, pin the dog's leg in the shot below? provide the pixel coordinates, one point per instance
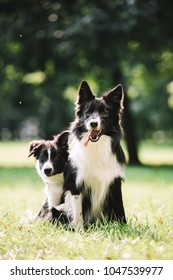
(77, 210)
(114, 208)
(74, 195)
(53, 194)
(74, 210)
(66, 206)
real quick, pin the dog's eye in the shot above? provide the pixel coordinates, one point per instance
(105, 113)
(57, 156)
(87, 114)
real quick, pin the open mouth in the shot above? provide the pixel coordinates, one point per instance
(93, 136)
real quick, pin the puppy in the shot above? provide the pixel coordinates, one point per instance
(95, 167)
(51, 157)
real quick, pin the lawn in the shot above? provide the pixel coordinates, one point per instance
(147, 191)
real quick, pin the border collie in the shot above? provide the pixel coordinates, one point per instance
(96, 162)
(51, 157)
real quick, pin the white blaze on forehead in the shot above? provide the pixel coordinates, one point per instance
(48, 163)
(93, 118)
(49, 153)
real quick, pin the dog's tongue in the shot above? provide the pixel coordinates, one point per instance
(91, 134)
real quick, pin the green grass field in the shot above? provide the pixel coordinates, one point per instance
(148, 194)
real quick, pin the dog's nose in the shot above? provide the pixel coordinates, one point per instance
(48, 171)
(94, 124)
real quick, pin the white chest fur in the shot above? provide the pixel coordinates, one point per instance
(53, 187)
(96, 166)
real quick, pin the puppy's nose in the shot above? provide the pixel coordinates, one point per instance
(94, 124)
(48, 171)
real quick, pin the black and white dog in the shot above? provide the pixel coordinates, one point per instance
(51, 157)
(95, 168)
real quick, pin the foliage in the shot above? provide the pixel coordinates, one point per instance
(48, 47)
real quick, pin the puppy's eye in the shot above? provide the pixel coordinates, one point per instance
(57, 156)
(87, 114)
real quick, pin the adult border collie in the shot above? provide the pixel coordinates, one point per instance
(95, 168)
(51, 157)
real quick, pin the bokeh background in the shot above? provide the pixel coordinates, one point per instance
(48, 47)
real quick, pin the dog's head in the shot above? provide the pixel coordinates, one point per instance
(50, 156)
(99, 116)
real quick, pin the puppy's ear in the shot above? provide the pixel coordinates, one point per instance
(61, 140)
(85, 93)
(35, 148)
(115, 96)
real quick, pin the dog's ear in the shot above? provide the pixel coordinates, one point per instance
(61, 140)
(115, 96)
(85, 93)
(35, 147)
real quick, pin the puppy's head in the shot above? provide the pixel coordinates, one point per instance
(98, 116)
(51, 156)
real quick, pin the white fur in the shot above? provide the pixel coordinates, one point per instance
(77, 210)
(97, 166)
(53, 185)
(73, 208)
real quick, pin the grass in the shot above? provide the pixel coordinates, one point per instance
(147, 192)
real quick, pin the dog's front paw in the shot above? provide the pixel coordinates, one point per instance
(77, 224)
(74, 227)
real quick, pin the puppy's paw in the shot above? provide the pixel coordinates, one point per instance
(61, 207)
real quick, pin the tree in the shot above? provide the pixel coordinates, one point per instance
(112, 34)
(48, 46)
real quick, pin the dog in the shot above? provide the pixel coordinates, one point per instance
(51, 157)
(96, 163)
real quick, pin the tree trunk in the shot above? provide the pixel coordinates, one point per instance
(128, 122)
(130, 133)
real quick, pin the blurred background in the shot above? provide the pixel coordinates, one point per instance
(48, 47)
